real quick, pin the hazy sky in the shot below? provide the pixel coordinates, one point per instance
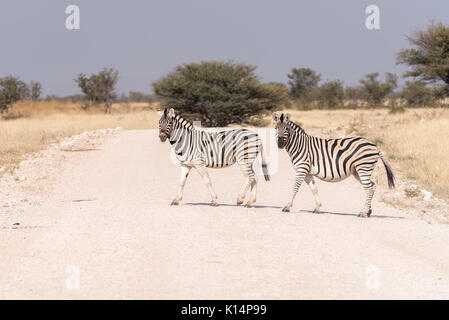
(146, 39)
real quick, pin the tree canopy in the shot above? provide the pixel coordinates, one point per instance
(218, 93)
(100, 87)
(12, 89)
(429, 58)
(375, 91)
(331, 94)
(302, 81)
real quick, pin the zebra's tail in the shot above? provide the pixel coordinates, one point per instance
(264, 164)
(390, 175)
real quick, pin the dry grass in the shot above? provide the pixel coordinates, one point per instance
(417, 140)
(34, 125)
(43, 109)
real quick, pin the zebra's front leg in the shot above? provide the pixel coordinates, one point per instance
(182, 181)
(312, 185)
(203, 172)
(301, 173)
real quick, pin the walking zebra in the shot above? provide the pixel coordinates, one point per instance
(200, 149)
(330, 160)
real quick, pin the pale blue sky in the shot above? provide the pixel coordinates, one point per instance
(146, 39)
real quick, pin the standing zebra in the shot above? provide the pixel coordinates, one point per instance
(330, 160)
(200, 149)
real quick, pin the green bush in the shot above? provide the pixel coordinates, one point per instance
(219, 93)
(375, 91)
(99, 88)
(417, 94)
(11, 90)
(302, 83)
(331, 94)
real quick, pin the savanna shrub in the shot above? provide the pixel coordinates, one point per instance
(219, 93)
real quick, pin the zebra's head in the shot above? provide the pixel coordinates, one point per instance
(282, 129)
(166, 123)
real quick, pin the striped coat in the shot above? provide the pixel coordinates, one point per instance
(201, 149)
(330, 160)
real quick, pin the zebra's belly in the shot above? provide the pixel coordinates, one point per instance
(327, 175)
(332, 179)
(210, 164)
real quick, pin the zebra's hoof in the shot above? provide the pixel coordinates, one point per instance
(316, 210)
(248, 205)
(239, 203)
(365, 214)
(286, 209)
(175, 202)
(214, 203)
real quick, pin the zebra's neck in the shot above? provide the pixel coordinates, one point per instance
(181, 128)
(296, 139)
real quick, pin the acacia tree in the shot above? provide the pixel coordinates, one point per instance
(429, 59)
(302, 82)
(375, 91)
(11, 90)
(99, 88)
(218, 93)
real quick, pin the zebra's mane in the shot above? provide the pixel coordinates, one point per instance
(296, 126)
(183, 122)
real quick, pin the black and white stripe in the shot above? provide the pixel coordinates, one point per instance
(330, 160)
(201, 149)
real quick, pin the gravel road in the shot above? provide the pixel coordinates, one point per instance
(106, 230)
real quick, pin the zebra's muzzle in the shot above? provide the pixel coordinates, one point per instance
(163, 137)
(281, 143)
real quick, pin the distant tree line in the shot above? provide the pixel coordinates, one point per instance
(219, 93)
(429, 62)
(305, 88)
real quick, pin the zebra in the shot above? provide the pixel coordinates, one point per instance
(330, 160)
(200, 149)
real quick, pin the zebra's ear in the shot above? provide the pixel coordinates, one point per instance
(171, 113)
(275, 117)
(159, 112)
(287, 117)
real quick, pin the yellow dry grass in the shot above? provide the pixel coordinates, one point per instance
(35, 125)
(416, 141)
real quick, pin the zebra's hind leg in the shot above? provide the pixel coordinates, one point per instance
(203, 173)
(312, 185)
(242, 194)
(252, 197)
(247, 169)
(364, 176)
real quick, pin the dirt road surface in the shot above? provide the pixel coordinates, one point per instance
(107, 230)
